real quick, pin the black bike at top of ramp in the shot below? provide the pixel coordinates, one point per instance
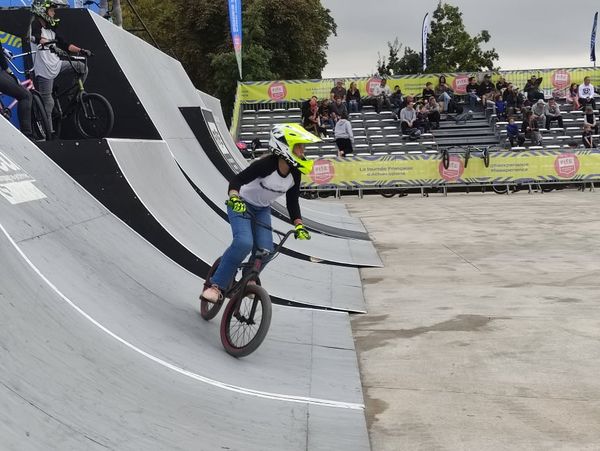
(103, 347)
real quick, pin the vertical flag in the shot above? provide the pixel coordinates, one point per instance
(235, 23)
(424, 35)
(593, 40)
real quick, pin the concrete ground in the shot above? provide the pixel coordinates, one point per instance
(483, 331)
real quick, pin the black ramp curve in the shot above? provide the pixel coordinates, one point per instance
(204, 126)
(137, 59)
(150, 170)
(102, 346)
(328, 209)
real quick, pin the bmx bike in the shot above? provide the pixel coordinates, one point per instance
(247, 315)
(93, 113)
(467, 153)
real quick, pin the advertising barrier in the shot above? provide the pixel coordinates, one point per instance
(428, 170)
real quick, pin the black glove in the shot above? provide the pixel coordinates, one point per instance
(85, 52)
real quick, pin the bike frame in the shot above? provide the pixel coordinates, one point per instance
(27, 83)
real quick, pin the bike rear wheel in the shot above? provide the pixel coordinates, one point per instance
(208, 310)
(39, 120)
(94, 116)
(246, 321)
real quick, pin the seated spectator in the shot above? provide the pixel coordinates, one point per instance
(539, 112)
(433, 112)
(382, 94)
(553, 113)
(590, 118)
(587, 136)
(501, 84)
(422, 121)
(396, 100)
(338, 91)
(344, 137)
(428, 91)
(336, 108)
(472, 89)
(486, 90)
(443, 93)
(406, 101)
(312, 122)
(306, 107)
(512, 131)
(408, 116)
(324, 113)
(500, 106)
(353, 98)
(573, 96)
(532, 89)
(531, 129)
(587, 93)
(511, 98)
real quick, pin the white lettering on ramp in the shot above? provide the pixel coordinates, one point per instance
(16, 185)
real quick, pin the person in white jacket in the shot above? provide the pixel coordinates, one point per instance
(344, 137)
(587, 93)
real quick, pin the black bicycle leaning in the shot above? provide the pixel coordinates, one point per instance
(247, 316)
(93, 114)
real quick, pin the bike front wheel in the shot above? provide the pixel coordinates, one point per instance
(39, 119)
(94, 116)
(246, 321)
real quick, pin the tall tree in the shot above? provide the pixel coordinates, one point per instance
(282, 39)
(450, 48)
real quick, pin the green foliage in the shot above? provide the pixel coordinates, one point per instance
(450, 48)
(282, 39)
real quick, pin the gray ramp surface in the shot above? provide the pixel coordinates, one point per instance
(154, 176)
(138, 60)
(329, 213)
(102, 345)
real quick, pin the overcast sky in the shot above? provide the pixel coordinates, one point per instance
(527, 34)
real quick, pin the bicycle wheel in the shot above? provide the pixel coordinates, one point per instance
(388, 193)
(486, 158)
(446, 158)
(94, 116)
(500, 189)
(39, 120)
(208, 310)
(467, 157)
(246, 321)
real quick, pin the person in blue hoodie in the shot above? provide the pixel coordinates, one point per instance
(512, 130)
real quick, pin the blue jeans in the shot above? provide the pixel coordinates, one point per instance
(472, 100)
(445, 97)
(247, 237)
(353, 106)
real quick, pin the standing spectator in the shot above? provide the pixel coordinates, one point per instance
(587, 136)
(553, 114)
(539, 112)
(532, 88)
(472, 89)
(408, 116)
(573, 96)
(511, 99)
(501, 84)
(338, 91)
(428, 91)
(433, 112)
(486, 90)
(531, 129)
(10, 86)
(590, 118)
(512, 131)
(336, 109)
(396, 99)
(382, 94)
(353, 98)
(586, 93)
(443, 92)
(344, 137)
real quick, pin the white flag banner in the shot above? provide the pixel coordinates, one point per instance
(425, 34)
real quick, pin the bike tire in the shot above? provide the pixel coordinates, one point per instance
(467, 157)
(388, 193)
(486, 158)
(57, 118)
(94, 116)
(500, 189)
(446, 158)
(231, 322)
(40, 126)
(208, 310)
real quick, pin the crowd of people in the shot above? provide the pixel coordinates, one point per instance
(421, 113)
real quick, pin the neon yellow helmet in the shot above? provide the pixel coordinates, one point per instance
(40, 8)
(283, 139)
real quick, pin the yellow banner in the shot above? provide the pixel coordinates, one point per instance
(553, 80)
(428, 169)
